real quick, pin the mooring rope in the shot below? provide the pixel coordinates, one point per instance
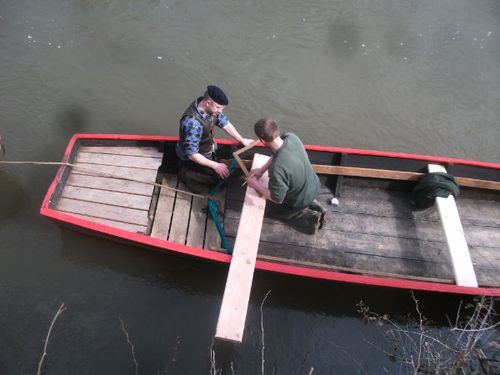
(212, 204)
(100, 174)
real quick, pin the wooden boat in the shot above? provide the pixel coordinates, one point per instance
(113, 185)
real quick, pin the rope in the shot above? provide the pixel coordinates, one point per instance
(101, 174)
(213, 210)
(213, 207)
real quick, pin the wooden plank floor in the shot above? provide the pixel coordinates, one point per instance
(377, 230)
(183, 218)
(94, 190)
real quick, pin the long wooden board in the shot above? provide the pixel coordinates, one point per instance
(103, 211)
(180, 217)
(394, 175)
(140, 202)
(234, 306)
(145, 162)
(454, 232)
(197, 221)
(164, 209)
(118, 173)
(110, 184)
(123, 150)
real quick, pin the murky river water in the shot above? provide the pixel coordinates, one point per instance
(409, 76)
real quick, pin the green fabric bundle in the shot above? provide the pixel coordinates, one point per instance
(434, 185)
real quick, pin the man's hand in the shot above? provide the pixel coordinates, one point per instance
(246, 141)
(258, 172)
(221, 169)
(253, 183)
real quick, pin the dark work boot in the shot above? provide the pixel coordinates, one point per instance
(310, 220)
(318, 207)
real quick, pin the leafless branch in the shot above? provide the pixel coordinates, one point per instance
(262, 329)
(132, 349)
(61, 309)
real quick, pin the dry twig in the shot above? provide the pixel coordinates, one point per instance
(131, 346)
(262, 329)
(59, 312)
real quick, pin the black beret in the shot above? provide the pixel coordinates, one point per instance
(217, 95)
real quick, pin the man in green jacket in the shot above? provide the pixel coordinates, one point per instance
(293, 184)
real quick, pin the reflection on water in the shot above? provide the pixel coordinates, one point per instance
(11, 195)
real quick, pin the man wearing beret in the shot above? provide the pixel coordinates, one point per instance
(293, 183)
(196, 147)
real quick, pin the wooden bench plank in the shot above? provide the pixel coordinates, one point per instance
(180, 218)
(144, 162)
(393, 175)
(123, 150)
(454, 232)
(239, 280)
(115, 224)
(197, 221)
(103, 211)
(139, 202)
(109, 184)
(118, 173)
(212, 236)
(164, 209)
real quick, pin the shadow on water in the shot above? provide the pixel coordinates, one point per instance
(344, 37)
(71, 119)
(11, 195)
(288, 292)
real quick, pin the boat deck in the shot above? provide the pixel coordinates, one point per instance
(183, 218)
(100, 186)
(373, 231)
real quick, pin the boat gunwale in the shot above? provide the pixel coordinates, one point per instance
(260, 264)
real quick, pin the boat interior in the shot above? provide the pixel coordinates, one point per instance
(373, 230)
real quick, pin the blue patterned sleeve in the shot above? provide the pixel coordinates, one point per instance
(222, 120)
(192, 130)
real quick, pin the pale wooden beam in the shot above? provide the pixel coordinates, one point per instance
(234, 306)
(388, 174)
(455, 238)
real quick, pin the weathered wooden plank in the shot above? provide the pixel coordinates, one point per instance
(388, 174)
(333, 240)
(390, 203)
(123, 150)
(115, 224)
(212, 236)
(103, 211)
(144, 162)
(399, 266)
(197, 221)
(164, 209)
(414, 272)
(180, 217)
(109, 184)
(139, 202)
(234, 306)
(454, 233)
(119, 173)
(372, 235)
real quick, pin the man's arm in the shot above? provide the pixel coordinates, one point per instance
(220, 168)
(192, 130)
(231, 130)
(258, 172)
(261, 189)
